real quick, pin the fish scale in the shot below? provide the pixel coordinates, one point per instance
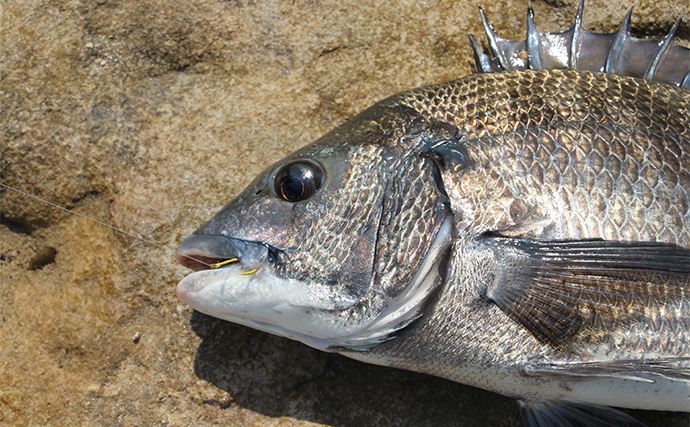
(617, 152)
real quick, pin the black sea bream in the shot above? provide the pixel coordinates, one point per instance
(524, 230)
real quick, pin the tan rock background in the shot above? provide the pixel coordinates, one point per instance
(150, 115)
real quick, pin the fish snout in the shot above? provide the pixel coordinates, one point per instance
(203, 252)
(220, 263)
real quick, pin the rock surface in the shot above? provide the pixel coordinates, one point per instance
(151, 114)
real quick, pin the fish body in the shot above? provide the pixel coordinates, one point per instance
(523, 231)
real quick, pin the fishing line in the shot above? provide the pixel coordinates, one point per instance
(95, 220)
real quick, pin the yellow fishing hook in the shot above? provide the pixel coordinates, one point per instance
(222, 263)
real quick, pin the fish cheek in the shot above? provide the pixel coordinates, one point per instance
(333, 234)
(414, 208)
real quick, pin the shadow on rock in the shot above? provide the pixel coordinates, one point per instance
(282, 378)
(278, 377)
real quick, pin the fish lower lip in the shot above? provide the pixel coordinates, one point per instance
(201, 251)
(197, 281)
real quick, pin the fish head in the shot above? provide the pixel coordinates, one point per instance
(338, 245)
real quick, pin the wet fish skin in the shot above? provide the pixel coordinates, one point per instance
(609, 154)
(553, 155)
(525, 232)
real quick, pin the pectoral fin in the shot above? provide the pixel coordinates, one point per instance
(562, 291)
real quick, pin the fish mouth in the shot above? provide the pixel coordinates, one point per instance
(205, 252)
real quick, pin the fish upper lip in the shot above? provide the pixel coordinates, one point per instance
(199, 251)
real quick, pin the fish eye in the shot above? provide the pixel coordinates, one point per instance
(298, 180)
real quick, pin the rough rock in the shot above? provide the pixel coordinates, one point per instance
(149, 115)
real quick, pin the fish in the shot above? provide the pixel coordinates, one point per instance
(524, 230)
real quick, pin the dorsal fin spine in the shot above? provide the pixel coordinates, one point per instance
(649, 75)
(577, 49)
(492, 36)
(575, 41)
(482, 60)
(618, 45)
(533, 48)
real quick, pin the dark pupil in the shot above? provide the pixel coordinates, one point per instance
(298, 181)
(292, 189)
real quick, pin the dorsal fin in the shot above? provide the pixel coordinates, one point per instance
(618, 53)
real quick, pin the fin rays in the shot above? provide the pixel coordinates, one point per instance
(568, 291)
(617, 53)
(572, 414)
